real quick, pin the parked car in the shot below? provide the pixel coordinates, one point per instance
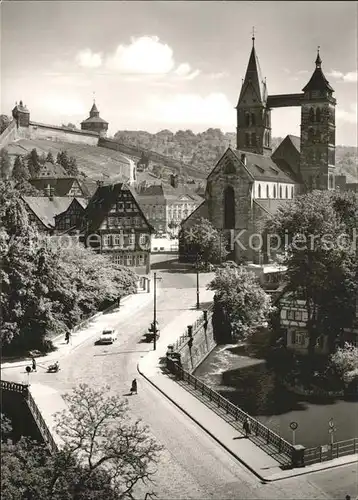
(107, 337)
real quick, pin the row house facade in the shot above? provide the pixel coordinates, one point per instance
(114, 225)
(167, 206)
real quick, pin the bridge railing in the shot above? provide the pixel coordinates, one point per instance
(331, 451)
(257, 427)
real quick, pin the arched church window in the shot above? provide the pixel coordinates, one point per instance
(253, 119)
(229, 208)
(253, 139)
(280, 191)
(247, 119)
(274, 192)
(267, 191)
(259, 191)
(247, 139)
(311, 115)
(318, 115)
(286, 192)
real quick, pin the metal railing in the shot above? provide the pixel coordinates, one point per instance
(196, 326)
(14, 387)
(257, 428)
(331, 451)
(40, 422)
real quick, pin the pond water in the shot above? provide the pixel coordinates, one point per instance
(253, 386)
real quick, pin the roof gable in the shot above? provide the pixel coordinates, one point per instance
(45, 209)
(229, 164)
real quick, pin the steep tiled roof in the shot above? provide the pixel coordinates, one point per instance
(94, 119)
(46, 209)
(263, 167)
(61, 186)
(200, 212)
(296, 141)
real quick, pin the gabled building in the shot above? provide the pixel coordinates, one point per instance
(62, 186)
(42, 210)
(114, 225)
(71, 219)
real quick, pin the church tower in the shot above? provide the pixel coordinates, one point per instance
(318, 132)
(253, 132)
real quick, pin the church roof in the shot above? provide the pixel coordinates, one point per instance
(296, 141)
(254, 78)
(318, 81)
(263, 167)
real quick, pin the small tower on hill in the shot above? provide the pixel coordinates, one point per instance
(318, 132)
(95, 123)
(253, 132)
(21, 114)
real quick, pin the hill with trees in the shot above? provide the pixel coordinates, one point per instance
(203, 150)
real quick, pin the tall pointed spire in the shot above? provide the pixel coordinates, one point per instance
(253, 77)
(318, 58)
(318, 81)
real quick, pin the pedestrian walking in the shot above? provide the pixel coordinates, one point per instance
(33, 364)
(119, 302)
(134, 387)
(247, 427)
(67, 337)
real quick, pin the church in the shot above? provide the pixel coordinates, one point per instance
(251, 180)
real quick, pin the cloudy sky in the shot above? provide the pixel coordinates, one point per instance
(175, 65)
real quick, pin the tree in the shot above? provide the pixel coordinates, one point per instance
(68, 163)
(4, 122)
(99, 433)
(345, 361)
(33, 163)
(204, 241)
(5, 164)
(69, 125)
(20, 172)
(322, 266)
(48, 287)
(50, 157)
(241, 303)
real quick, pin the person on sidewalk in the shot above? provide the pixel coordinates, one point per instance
(247, 427)
(134, 387)
(119, 302)
(33, 364)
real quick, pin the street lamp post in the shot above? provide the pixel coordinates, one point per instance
(155, 312)
(197, 284)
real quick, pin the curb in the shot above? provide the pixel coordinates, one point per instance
(56, 354)
(299, 472)
(201, 426)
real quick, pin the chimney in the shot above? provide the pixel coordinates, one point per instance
(49, 192)
(243, 158)
(174, 180)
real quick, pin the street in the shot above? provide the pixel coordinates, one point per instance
(193, 465)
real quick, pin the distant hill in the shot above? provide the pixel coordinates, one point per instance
(201, 151)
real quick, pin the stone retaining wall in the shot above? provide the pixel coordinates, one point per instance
(203, 343)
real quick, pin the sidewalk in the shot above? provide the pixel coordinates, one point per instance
(97, 323)
(264, 466)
